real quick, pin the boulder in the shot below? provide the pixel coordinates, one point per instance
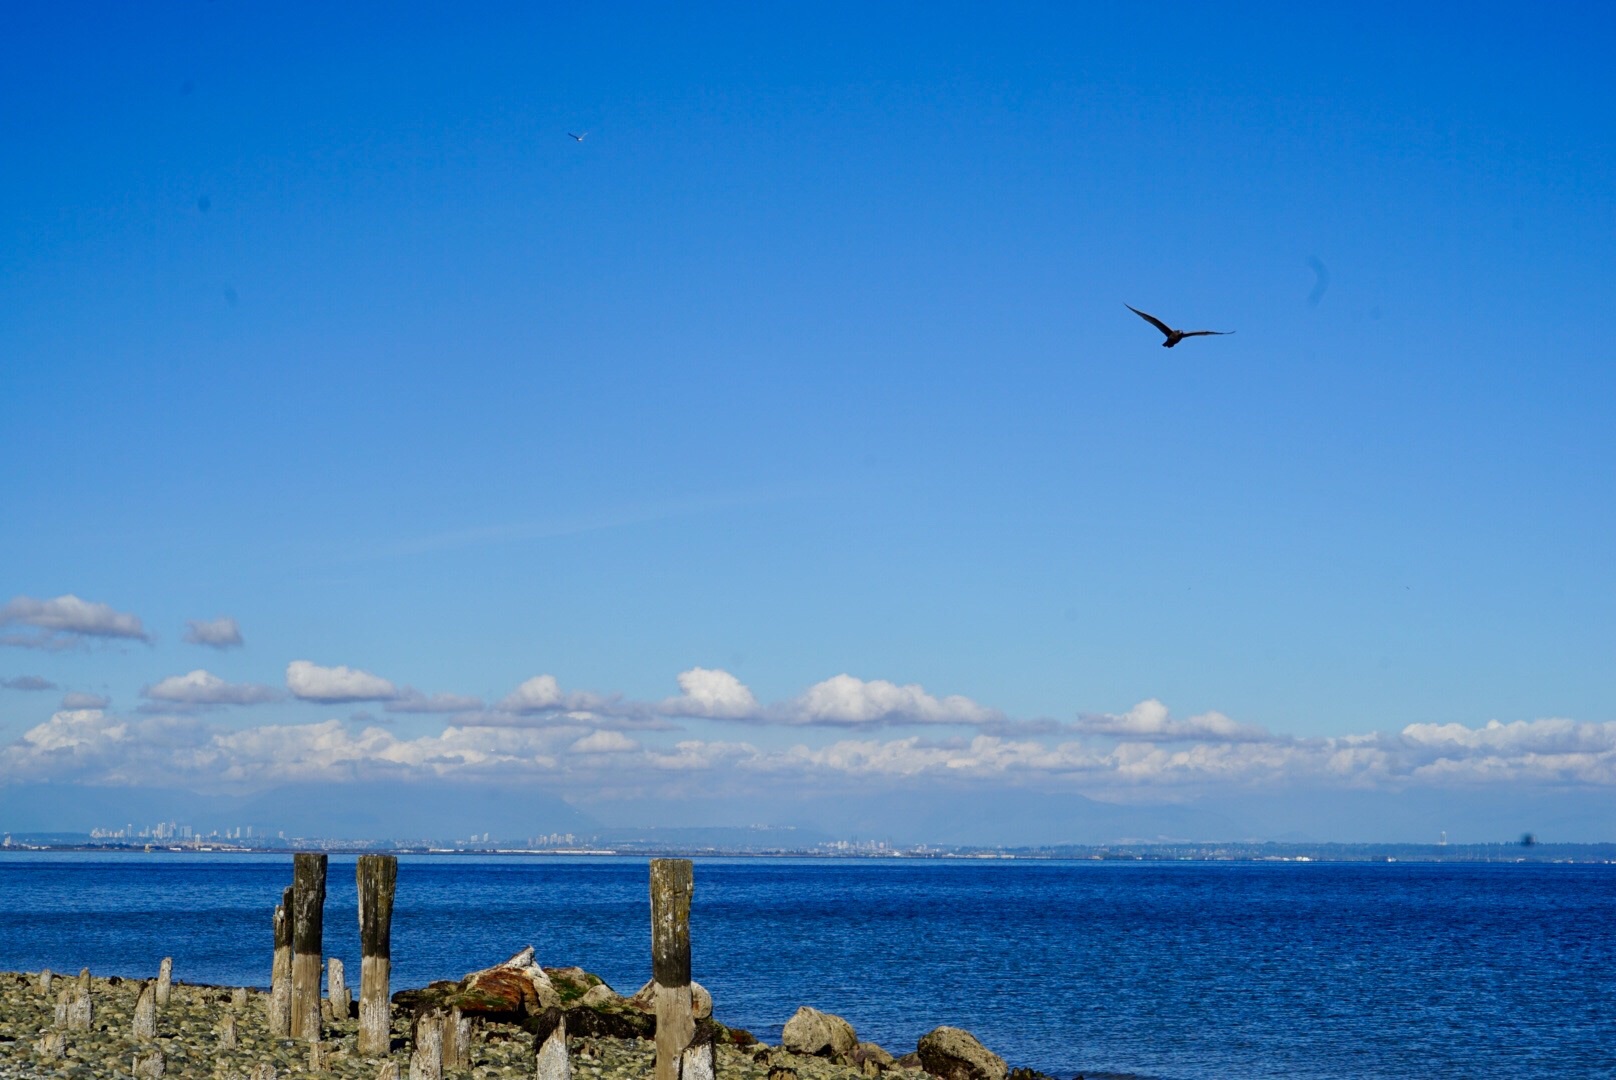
(810, 1031)
(510, 991)
(701, 1002)
(866, 1051)
(951, 1054)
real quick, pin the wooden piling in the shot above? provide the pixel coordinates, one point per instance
(145, 1022)
(279, 1003)
(336, 988)
(308, 914)
(672, 883)
(45, 980)
(456, 1040)
(553, 1061)
(165, 981)
(149, 1064)
(426, 1053)
(378, 880)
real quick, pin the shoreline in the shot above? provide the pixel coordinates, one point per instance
(208, 1032)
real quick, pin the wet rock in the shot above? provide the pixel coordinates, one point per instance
(820, 1034)
(952, 1054)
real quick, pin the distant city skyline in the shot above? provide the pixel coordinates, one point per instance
(784, 452)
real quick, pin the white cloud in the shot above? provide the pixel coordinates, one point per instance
(542, 694)
(65, 620)
(311, 682)
(604, 742)
(712, 694)
(220, 633)
(203, 688)
(1150, 721)
(80, 699)
(844, 701)
(411, 700)
(75, 731)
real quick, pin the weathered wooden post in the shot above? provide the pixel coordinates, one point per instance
(336, 989)
(378, 879)
(226, 1029)
(426, 1053)
(308, 915)
(145, 1024)
(279, 1003)
(456, 1040)
(149, 1064)
(551, 1036)
(45, 980)
(672, 883)
(165, 981)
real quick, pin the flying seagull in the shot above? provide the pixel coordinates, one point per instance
(1173, 336)
(579, 137)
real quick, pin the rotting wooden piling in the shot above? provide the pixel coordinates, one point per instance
(145, 1021)
(308, 915)
(165, 981)
(672, 884)
(426, 1053)
(378, 880)
(553, 1061)
(336, 988)
(278, 1005)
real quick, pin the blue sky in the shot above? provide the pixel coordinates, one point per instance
(811, 360)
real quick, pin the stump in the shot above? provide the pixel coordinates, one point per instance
(377, 878)
(145, 1024)
(426, 1052)
(308, 916)
(457, 1041)
(336, 988)
(672, 884)
(165, 980)
(553, 1062)
(149, 1064)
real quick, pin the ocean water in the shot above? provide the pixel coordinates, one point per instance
(1179, 971)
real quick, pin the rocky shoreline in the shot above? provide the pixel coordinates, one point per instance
(62, 1027)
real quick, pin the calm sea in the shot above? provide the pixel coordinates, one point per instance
(1183, 970)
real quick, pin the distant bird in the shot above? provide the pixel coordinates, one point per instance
(1173, 336)
(580, 137)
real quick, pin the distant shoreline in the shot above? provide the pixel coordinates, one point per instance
(1498, 853)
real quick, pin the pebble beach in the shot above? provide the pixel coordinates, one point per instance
(193, 1035)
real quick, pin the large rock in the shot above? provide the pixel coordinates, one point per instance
(810, 1031)
(510, 991)
(701, 1002)
(951, 1054)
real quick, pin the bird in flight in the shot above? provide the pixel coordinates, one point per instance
(579, 137)
(1173, 336)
